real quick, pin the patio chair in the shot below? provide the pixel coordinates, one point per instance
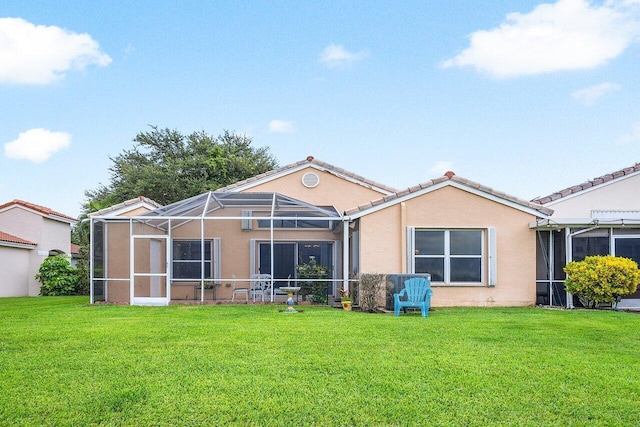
(260, 286)
(237, 290)
(416, 293)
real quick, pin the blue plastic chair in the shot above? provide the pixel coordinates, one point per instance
(417, 293)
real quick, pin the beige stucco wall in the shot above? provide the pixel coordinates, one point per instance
(49, 234)
(623, 194)
(14, 271)
(383, 244)
(331, 191)
(235, 248)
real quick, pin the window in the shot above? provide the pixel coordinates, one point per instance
(187, 259)
(295, 222)
(450, 256)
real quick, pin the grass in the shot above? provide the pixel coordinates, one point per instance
(65, 362)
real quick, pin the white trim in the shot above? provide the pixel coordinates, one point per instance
(492, 261)
(17, 245)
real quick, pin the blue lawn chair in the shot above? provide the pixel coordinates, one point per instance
(417, 293)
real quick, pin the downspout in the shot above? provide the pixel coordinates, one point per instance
(569, 252)
(272, 246)
(345, 254)
(91, 265)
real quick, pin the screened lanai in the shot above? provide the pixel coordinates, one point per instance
(215, 245)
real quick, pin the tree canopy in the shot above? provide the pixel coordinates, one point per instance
(167, 166)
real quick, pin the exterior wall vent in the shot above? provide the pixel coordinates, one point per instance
(310, 180)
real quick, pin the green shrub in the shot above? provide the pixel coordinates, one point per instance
(602, 279)
(313, 270)
(58, 277)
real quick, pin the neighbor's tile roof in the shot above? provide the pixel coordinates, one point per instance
(450, 176)
(589, 184)
(310, 159)
(41, 209)
(6, 237)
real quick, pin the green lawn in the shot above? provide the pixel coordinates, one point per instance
(65, 362)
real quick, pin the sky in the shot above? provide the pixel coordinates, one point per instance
(522, 96)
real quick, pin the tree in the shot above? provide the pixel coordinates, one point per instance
(599, 279)
(167, 166)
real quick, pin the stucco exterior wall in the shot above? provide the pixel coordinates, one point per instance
(331, 190)
(14, 268)
(383, 245)
(49, 234)
(619, 195)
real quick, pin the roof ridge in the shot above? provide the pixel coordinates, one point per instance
(588, 184)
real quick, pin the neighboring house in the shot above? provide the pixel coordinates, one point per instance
(29, 233)
(474, 241)
(597, 217)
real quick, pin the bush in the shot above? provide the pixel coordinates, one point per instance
(602, 279)
(58, 277)
(313, 270)
(369, 288)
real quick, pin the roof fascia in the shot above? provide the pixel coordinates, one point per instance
(443, 184)
(558, 223)
(288, 171)
(17, 245)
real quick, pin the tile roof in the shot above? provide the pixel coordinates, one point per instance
(6, 237)
(589, 184)
(309, 160)
(450, 176)
(139, 199)
(40, 209)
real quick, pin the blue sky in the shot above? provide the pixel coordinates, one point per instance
(522, 96)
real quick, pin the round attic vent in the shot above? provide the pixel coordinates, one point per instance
(310, 180)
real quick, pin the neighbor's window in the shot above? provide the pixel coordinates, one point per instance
(450, 256)
(187, 259)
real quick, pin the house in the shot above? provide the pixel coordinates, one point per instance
(28, 234)
(474, 241)
(597, 217)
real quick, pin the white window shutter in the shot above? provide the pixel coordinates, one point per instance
(247, 224)
(410, 249)
(216, 258)
(492, 274)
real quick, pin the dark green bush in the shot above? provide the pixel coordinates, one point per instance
(58, 277)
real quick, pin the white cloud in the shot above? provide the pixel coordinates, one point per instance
(37, 145)
(441, 167)
(280, 126)
(633, 136)
(566, 35)
(38, 54)
(336, 56)
(588, 96)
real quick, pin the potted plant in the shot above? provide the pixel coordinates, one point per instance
(345, 300)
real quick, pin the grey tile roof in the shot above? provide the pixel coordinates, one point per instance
(450, 176)
(124, 204)
(589, 184)
(309, 160)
